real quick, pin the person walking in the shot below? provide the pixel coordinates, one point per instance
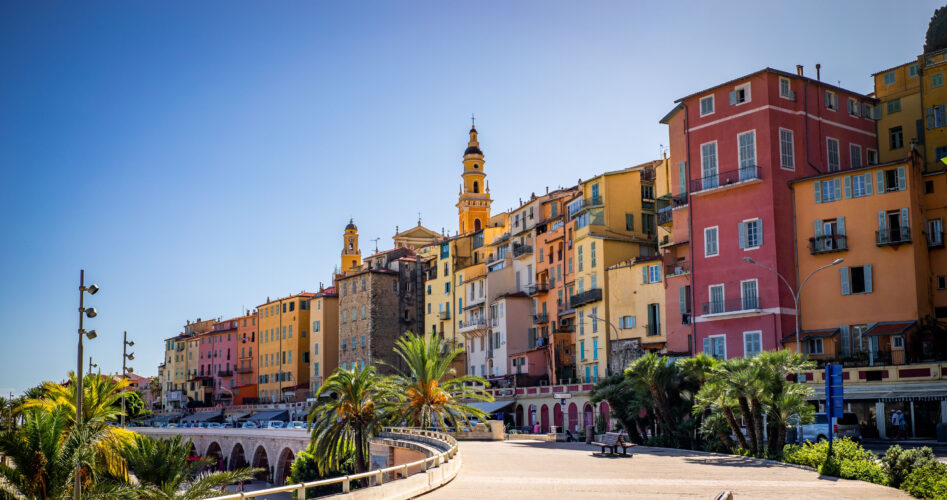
(895, 424)
(902, 429)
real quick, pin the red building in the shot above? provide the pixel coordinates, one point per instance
(245, 376)
(735, 146)
(218, 356)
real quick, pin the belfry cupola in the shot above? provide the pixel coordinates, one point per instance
(473, 204)
(351, 255)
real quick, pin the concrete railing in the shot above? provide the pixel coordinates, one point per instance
(446, 462)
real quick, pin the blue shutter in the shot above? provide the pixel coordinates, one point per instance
(837, 184)
(742, 230)
(841, 226)
(682, 298)
(868, 278)
(707, 347)
(848, 186)
(868, 188)
(882, 225)
(902, 179)
(846, 341)
(733, 98)
(905, 223)
(818, 191)
(844, 273)
(817, 242)
(881, 181)
(644, 274)
(759, 231)
(682, 175)
(930, 118)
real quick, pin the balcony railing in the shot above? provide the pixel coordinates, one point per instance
(540, 318)
(519, 250)
(679, 200)
(732, 305)
(444, 314)
(538, 288)
(592, 201)
(474, 324)
(665, 216)
(593, 295)
(652, 330)
(935, 239)
(720, 179)
(225, 373)
(893, 236)
(828, 243)
(244, 369)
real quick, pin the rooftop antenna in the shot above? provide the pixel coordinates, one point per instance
(376, 243)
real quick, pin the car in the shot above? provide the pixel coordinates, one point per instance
(273, 424)
(296, 424)
(248, 425)
(214, 425)
(846, 426)
(226, 425)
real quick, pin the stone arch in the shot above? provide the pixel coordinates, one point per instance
(603, 409)
(573, 417)
(557, 417)
(214, 451)
(286, 458)
(477, 224)
(476, 187)
(544, 419)
(238, 457)
(193, 450)
(261, 460)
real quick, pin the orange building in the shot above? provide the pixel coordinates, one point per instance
(324, 339)
(283, 364)
(245, 367)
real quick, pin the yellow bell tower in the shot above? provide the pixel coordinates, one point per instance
(351, 255)
(473, 204)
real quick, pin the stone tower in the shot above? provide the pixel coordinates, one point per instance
(351, 255)
(473, 204)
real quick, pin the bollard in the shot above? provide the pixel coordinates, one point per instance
(345, 485)
(301, 492)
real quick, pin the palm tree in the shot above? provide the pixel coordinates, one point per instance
(343, 423)
(714, 396)
(429, 393)
(784, 399)
(165, 473)
(655, 372)
(742, 384)
(625, 402)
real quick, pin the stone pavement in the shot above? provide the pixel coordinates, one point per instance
(530, 469)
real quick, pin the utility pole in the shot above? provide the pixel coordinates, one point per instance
(125, 369)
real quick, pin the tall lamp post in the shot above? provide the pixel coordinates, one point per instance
(90, 313)
(126, 369)
(795, 293)
(92, 365)
(608, 343)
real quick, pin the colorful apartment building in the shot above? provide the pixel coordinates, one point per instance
(283, 346)
(324, 340)
(739, 144)
(615, 220)
(218, 358)
(636, 309)
(674, 245)
(245, 367)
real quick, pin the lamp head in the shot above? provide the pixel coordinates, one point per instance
(129, 369)
(91, 334)
(130, 343)
(131, 356)
(91, 312)
(92, 289)
(837, 262)
(749, 260)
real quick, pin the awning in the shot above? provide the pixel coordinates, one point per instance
(202, 416)
(490, 407)
(270, 415)
(811, 334)
(890, 328)
(169, 417)
(237, 416)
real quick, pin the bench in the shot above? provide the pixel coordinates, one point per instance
(612, 440)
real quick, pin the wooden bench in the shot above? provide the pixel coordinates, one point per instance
(612, 440)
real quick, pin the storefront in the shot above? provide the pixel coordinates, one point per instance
(923, 405)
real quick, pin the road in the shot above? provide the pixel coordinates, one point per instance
(535, 470)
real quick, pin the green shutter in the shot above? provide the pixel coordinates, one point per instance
(902, 179)
(707, 350)
(817, 241)
(682, 298)
(818, 191)
(682, 175)
(841, 226)
(837, 183)
(848, 186)
(644, 274)
(905, 223)
(844, 274)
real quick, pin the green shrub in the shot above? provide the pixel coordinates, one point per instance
(849, 460)
(831, 467)
(305, 468)
(715, 446)
(927, 482)
(863, 470)
(662, 441)
(899, 462)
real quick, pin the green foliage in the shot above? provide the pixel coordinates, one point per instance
(849, 460)
(898, 462)
(716, 446)
(134, 404)
(305, 468)
(600, 424)
(926, 482)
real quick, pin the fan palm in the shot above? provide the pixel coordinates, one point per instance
(782, 397)
(343, 423)
(430, 394)
(624, 400)
(165, 473)
(714, 397)
(743, 385)
(654, 372)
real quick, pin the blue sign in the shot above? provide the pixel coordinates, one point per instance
(833, 398)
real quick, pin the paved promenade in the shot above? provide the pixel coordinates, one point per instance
(529, 469)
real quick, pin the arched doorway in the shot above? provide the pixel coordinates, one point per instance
(213, 451)
(476, 224)
(286, 458)
(588, 417)
(260, 460)
(557, 417)
(532, 417)
(604, 410)
(573, 417)
(238, 459)
(518, 421)
(544, 419)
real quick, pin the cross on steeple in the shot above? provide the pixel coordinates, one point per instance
(472, 120)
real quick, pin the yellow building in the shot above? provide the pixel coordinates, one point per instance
(614, 221)
(284, 372)
(351, 255)
(635, 309)
(324, 339)
(473, 207)
(900, 114)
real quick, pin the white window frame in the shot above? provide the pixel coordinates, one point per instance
(740, 159)
(834, 100)
(752, 332)
(713, 105)
(716, 241)
(792, 148)
(871, 152)
(719, 336)
(743, 298)
(745, 225)
(745, 87)
(821, 344)
(828, 154)
(654, 273)
(855, 107)
(788, 96)
(897, 342)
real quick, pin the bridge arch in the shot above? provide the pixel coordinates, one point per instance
(261, 460)
(283, 465)
(214, 452)
(238, 457)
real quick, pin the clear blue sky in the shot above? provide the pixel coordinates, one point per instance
(196, 158)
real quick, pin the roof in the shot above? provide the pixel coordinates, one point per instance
(890, 328)
(490, 407)
(775, 72)
(812, 334)
(270, 415)
(667, 118)
(300, 294)
(351, 225)
(202, 416)
(913, 61)
(473, 150)
(847, 171)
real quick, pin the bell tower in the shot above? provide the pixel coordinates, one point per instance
(351, 255)
(473, 204)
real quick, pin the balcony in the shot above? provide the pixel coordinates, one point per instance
(725, 180)
(935, 239)
(652, 330)
(225, 373)
(244, 369)
(828, 243)
(746, 306)
(588, 296)
(592, 201)
(564, 309)
(472, 325)
(893, 237)
(679, 200)
(665, 216)
(520, 250)
(537, 288)
(444, 315)
(540, 318)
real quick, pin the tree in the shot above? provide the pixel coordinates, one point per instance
(742, 384)
(305, 468)
(134, 404)
(429, 394)
(164, 471)
(654, 372)
(625, 402)
(716, 396)
(784, 400)
(343, 423)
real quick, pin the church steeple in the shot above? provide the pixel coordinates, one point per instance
(473, 205)
(351, 255)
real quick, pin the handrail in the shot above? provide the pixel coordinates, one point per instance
(379, 474)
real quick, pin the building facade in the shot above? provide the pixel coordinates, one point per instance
(283, 365)
(324, 341)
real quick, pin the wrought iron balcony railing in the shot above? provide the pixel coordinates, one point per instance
(720, 179)
(893, 236)
(731, 305)
(828, 243)
(593, 295)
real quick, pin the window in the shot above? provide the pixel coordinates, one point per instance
(828, 190)
(592, 254)
(872, 156)
(747, 151)
(594, 317)
(581, 322)
(648, 224)
(706, 105)
(935, 233)
(937, 80)
(833, 154)
(889, 78)
(629, 222)
(345, 316)
(684, 297)
(861, 185)
(740, 94)
(716, 346)
(831, 100)
(652, 273)
(895, 138)
(854, 108)
(894, 179)
(897, 342)
(627, 322)
(936, 116)
(941, 283)
(855, 155)
(787, 157)
(912, 71)
(856, 280)
(580, 257)
(654, 320)
(708, 163)
(595, 348)
(716, 299)
(710, 241)
(928, 187)
(893, 106)
(751, 234)
(748, 294)
(752, 343)
(785, 89)
(582, 351)
(813, 346)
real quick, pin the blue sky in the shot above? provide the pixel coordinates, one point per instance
(196, 158)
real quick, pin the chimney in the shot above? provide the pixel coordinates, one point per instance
(547, 189)
(799, 69)
(817, 72)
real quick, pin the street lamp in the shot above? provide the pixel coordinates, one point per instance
(608, 343)
(126, 369)
(91, 313)
(795, 293)
(92, 365)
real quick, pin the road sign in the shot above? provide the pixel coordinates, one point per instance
(833, 398)
(562, 395)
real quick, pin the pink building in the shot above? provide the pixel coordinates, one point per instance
(218, 360)
(734, 148)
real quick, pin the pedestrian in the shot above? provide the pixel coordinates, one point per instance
(895, 423)
(902, 431)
